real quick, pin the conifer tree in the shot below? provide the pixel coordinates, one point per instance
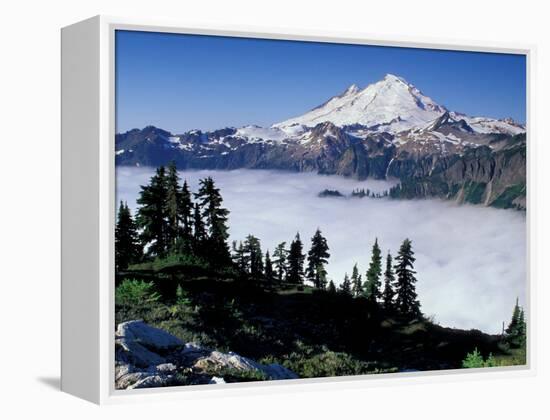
(253, 252)
(406, 301)
(296, 261)
(127, 247)
(317, 258)
(280, 261)
(173, 204)
(331, 287)
(268, 268)
(215, 216)
(356, 283)
(199, 231)
(152, 216)
(373, 283)
(186, 210)
(516, 331)
(240, 257)
(389, 279)
(345, 287)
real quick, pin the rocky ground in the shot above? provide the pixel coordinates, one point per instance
(148, 357)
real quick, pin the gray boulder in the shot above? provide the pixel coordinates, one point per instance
(153, 338)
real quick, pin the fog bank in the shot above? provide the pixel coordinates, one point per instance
(470, 260)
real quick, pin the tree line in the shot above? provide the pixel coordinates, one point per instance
(170, 219)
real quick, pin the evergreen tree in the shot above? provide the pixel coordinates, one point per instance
(215, 216)
(240, 258)
(331, 287)
(253, 252)
(373, 283)
(345, 287)
(516, 331)
(389, 279)
(268, 268)
(317, 257)
(406, 301)
(356, 283)
(296, 261)
(186, 211)
(280, 261)
(152, 216)
(199, 231)
(173, 204)
(127, 247)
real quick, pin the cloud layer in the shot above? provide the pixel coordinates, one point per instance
(471, 260)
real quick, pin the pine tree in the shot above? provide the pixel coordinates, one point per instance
(373, 283)
(253, 252)
(406, 301)
(240, 258)
(317, 258)
(331, 287)
(389, 279)
(173, 203)
(296, 261)
(199, 231)
(152, 217)
(127, 247)
(516, 331)
(345, 287)
(356, 283)
(280, 261)
(268, 268)
(215, 216)
(186, 211)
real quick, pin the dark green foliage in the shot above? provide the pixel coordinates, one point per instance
(280, 261)
(199, 231)
(253, 254)
(406, 301)
(356, 283)
(345, 287)
(186, 212)
(268, 268)
(506, 199)
(295, 261)
(473, 192)
(331, 287)
(517, 329)
(240, 257)
(210, 201)
(133, 292)
(317, 258)
(373, 283)
(330, 193)
(173, 206)
(389, 280)
(152, 214)
(128, 250)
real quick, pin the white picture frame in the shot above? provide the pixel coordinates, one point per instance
(88, 203)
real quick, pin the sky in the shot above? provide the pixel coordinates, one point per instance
(181, 82)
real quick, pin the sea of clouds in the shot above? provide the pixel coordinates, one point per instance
(471, 260)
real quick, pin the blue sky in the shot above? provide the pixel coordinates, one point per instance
(182, 82)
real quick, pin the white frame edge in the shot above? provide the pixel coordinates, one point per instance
(88, 128)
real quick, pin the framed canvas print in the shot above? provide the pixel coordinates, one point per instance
(250, 209)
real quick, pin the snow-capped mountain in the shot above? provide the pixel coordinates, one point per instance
(391, 105)
(387, 129)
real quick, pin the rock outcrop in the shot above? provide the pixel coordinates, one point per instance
(148, 357)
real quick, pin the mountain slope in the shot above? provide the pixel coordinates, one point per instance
(388, 129)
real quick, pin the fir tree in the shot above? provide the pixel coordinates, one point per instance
(516, 331)
(127, 247)
(280, 261)
(389, 279)
(373, 283)
(199, 231)
(345, 287)
(296, 261)
(268, 268)
(317, 257)
(186, 211)
(331, 287)
(406, 301)
(152, 217)
(240, 258)
(253, 252)
(210, 201)
(356, 283)
(173, 204)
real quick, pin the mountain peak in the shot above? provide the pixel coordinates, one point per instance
(391, 104)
